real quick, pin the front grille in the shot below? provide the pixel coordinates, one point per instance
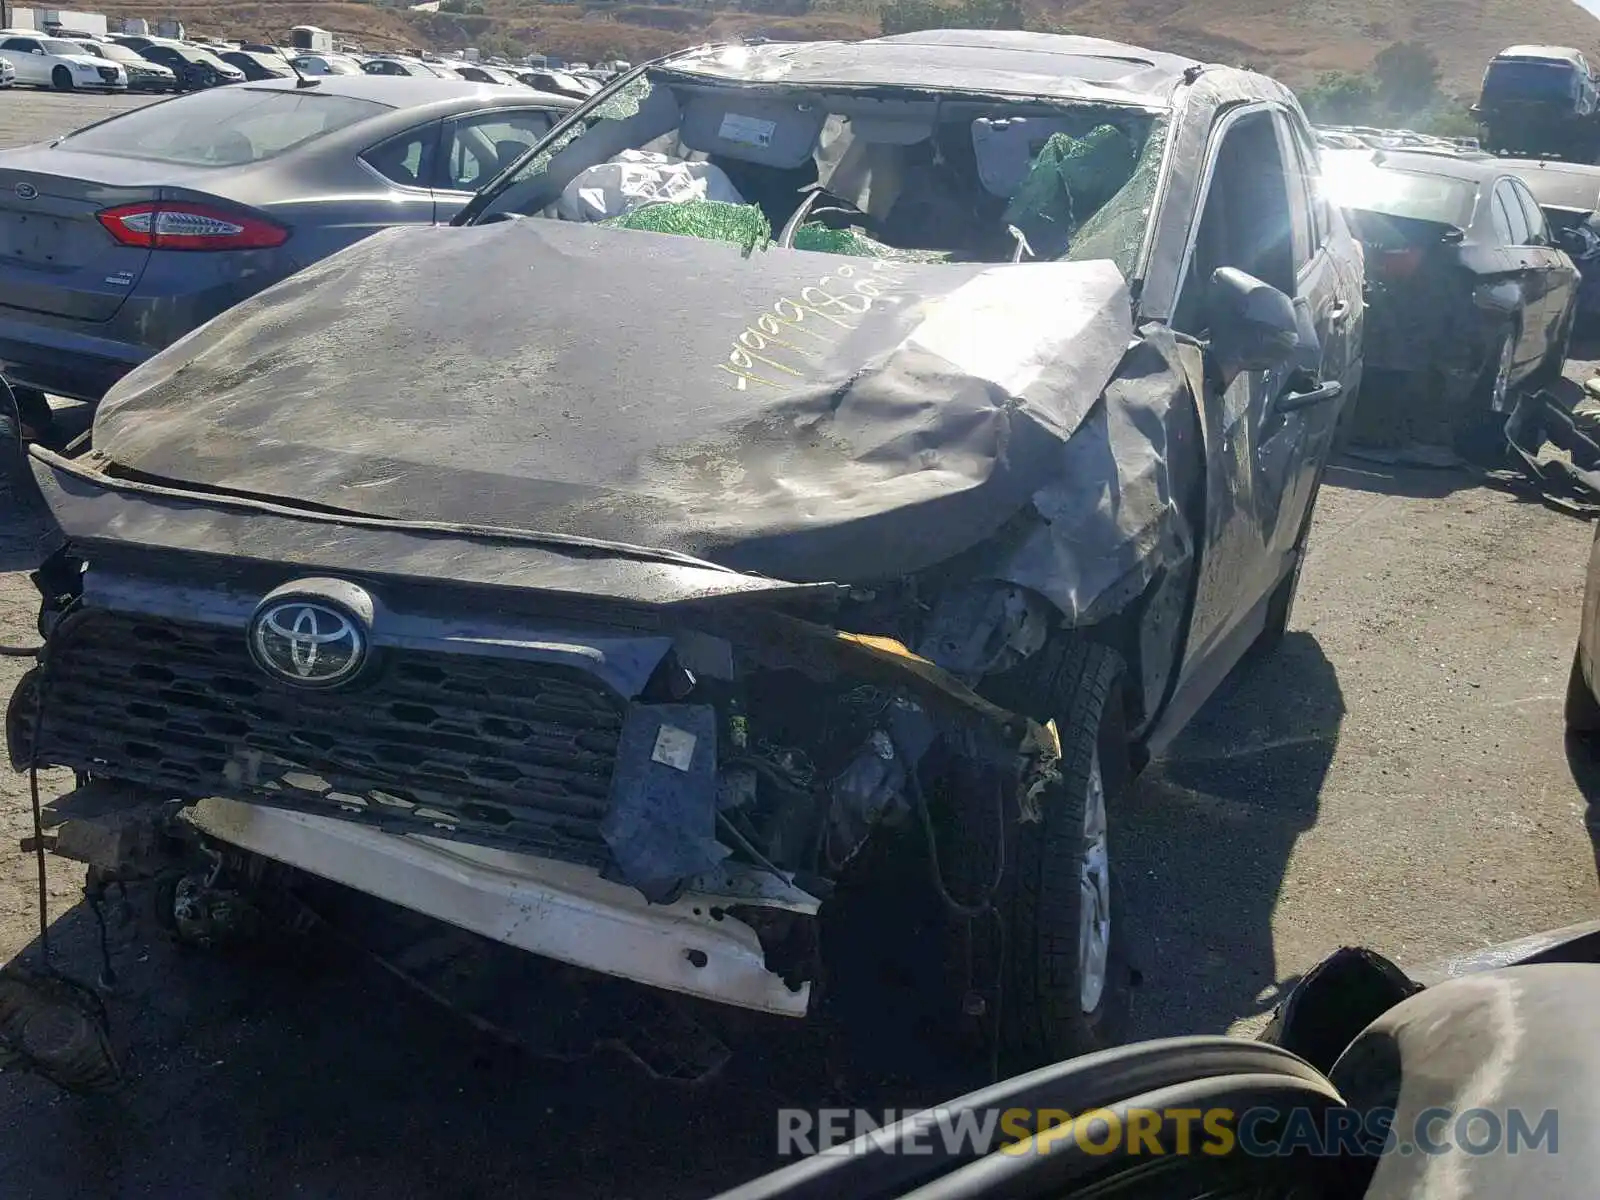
(497, 751)
(109, 74)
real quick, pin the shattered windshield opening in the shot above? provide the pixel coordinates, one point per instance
(908, 177)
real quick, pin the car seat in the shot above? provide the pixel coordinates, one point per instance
(507, 151)
(389, 160)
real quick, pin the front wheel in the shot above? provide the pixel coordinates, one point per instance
(61, 79)
(1064, 978)
(1481, 436)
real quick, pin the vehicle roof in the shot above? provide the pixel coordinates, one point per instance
(1560, 53)
(406, 91)
(260, 56)
(1550, 166)
(1006, 62)
(1468, 166)
(1558, 184)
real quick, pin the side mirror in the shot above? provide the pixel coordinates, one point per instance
(1254, 326)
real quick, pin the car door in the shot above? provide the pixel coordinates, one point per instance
(1330, 301)
(1554, 278)
(478, 146)
(1263, 426)
(405, 163)
(28, 57)
(1519, 264)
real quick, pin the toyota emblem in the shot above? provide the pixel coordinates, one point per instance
(26, 191)
(306, 643)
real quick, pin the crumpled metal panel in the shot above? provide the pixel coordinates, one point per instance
(804, 416)
(1114, 512)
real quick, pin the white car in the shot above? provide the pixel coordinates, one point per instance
(58, 63)
(327, 64)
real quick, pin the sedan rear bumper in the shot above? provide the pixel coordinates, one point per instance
(63, 362)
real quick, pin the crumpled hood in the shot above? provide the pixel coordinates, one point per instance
(804, 415)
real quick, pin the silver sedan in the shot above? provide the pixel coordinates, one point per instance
(118, 239)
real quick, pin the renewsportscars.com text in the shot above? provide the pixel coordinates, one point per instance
(1258, 1132)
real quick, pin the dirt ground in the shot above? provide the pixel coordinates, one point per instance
(1395, 777)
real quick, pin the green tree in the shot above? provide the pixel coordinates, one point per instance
(1448, 118)
(1408, 77)
(502, 45)
(778, 8)
(452, 6)
(1340, 98)
(912, 16)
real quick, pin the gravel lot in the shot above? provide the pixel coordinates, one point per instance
(1395, 777)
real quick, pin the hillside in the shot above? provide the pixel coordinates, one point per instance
(1294, 38)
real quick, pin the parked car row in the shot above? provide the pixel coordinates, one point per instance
(459, 566)
(142, 63)
(39, 60)
(113, 64)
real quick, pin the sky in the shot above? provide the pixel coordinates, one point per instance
(1591, 5)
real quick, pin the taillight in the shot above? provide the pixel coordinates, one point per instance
(1397, 264)
(167, 225)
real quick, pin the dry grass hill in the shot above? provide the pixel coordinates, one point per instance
(1294, 38)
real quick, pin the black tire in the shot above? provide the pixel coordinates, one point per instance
(1045, 1015)
(1582, 710)
(61, 79)
(37, 416)
(1481, 436)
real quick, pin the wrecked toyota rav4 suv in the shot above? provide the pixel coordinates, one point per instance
(803, 446)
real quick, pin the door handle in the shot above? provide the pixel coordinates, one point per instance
(1295, 401)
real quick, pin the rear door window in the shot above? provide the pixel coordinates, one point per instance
(1538, 230)
(407, 158)
(26, 45)
(1501, 219)
(482, 146)
(228, 126)
(1516, 221)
